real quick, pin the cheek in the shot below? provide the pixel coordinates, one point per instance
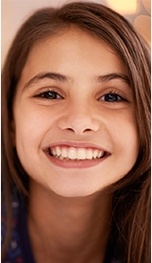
(31, 122)
(125, 136)
(31, 127)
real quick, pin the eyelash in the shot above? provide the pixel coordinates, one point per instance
(49, 95)
(109, 97)
(112, 97)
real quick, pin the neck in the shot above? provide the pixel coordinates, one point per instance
(68, 229)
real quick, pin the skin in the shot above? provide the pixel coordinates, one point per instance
(72, 196)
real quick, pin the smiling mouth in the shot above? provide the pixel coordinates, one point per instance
(76, 154)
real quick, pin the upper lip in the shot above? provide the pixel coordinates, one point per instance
(75, 144)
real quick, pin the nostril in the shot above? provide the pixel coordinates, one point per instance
(87, 130)
(83, 131)
(78, 124)
(70, 129)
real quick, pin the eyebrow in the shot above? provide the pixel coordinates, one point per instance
(118, 76)
(62, 78)
(47, 75)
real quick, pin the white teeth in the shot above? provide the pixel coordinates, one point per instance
(95, 153)
(76, 153)
(64, 153)
(72, 154)
(81, 154)
(54, 152)
(99, 154)
(89, 154)
(58, 151)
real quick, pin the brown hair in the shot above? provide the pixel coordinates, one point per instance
(131, 198)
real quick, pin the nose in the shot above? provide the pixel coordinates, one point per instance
(79, 120)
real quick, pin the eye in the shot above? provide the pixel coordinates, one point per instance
(111, 97)
(49, 95)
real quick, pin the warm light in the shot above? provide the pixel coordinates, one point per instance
(123, 7)
(142, 24)
(147, 5)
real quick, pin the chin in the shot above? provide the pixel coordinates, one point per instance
(75, 193)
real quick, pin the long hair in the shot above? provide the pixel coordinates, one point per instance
(131, 195)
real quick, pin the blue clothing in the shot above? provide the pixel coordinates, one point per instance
(20, 250)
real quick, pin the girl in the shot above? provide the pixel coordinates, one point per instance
(76, 139)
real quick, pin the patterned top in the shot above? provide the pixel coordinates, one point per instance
(19, 250)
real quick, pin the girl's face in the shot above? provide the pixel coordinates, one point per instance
(74, 116)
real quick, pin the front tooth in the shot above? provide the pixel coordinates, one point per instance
(72, 153)
(81, 154)
(89, 154)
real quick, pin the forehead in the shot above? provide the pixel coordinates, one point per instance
(69, 49)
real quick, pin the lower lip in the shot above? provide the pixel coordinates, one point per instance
(75, 163)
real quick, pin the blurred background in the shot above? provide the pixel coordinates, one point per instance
(14, 12)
